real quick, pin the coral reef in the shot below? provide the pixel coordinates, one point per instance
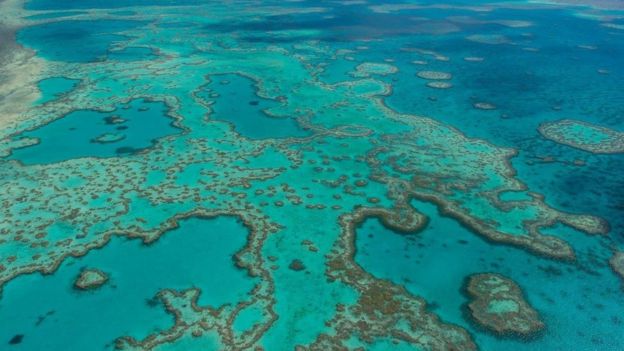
(90, 279)
(584, 136)
(498, 304)
(434, 75)
(301, 195)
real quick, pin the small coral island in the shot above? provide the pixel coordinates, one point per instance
(497, 304)
(90, 279)
(367, 69)
(584, 136)
(434, 75)
(108, 138)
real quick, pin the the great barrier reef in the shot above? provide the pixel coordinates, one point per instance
(311, 175)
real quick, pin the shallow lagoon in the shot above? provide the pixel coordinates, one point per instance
(128, 129)
(48, 309)
(236, 101)
(55, 87)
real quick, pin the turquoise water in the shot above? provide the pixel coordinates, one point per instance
(155, 110)
(55, 87)
(434, 262)
(236, 101)
(47, 309)
(131, 54)
(131, 127)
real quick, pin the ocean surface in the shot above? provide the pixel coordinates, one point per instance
(311, 175)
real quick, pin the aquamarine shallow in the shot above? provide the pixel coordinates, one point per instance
(137, 272)
(134, 126)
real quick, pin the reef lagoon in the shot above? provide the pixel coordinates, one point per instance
(181, 175)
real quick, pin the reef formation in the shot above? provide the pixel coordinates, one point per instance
(584, 136)
(498, 304)
(90, 279)
(167, 113)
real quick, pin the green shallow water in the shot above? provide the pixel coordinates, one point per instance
(306, 121)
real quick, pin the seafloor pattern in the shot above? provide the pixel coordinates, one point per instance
(311, 175)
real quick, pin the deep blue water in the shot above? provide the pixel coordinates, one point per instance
(87, 4)
(75, 41)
